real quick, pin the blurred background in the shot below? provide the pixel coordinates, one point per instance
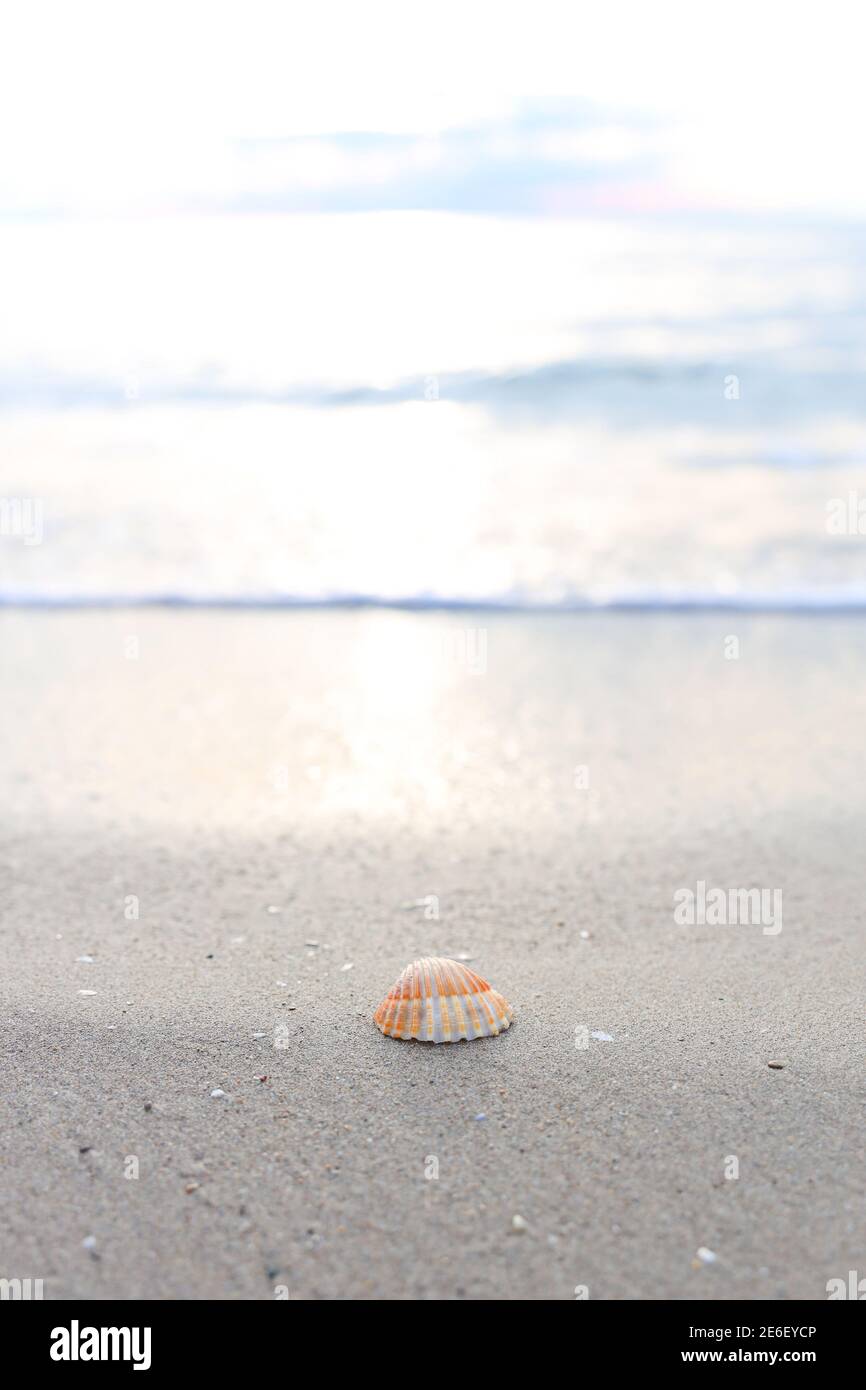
(446, 306)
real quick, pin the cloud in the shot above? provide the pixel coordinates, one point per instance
(556, 157)
(524, 164)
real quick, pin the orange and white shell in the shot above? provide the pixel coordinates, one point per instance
(439, 1000)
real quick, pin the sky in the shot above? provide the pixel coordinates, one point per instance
(548, 109)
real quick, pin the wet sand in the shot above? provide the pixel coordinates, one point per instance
(192, 799)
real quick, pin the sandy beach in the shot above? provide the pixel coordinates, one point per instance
(225, 834)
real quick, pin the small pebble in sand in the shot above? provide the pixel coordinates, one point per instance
(283, 984)
(586, 936)
(259, 1035)
(347, 966)
(191, 1187)
(148, 1105)
(519, 1226)
(272, 909)
(601, 1037)
(87, 991)
(776, 1066)
(481, 1116)
(89, 1243)
(311, 943)
(218, 1094)
(84, 960)
(706, 1257)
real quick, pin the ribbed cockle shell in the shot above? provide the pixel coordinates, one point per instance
(439, 1000)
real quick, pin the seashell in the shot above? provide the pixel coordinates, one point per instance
(440, 1000)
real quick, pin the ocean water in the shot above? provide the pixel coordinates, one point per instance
(432, 408)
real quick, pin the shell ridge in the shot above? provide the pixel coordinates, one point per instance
(431, 1026)
(485, 1005)
(473, 1015)
(444, 1011)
